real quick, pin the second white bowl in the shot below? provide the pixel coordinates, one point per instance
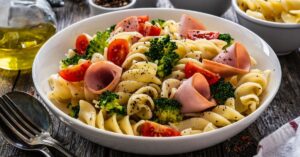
(282, 37)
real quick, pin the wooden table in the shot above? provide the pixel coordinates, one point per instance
(283, 108)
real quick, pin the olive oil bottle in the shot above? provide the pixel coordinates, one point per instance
(18, 46)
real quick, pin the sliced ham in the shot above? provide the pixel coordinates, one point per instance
(188, 23)
(102, 76)
(200, 34)
(235, 60)
(194, 94)
(129, 24)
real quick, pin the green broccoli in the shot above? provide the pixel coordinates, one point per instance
(109, 101)
(167, 110)
(158, 21)
(159, 47)
(226, 37)
(162, 52)
(221, 91)
(74, 110)
(166, 63)
(72, 60)
(98, 43)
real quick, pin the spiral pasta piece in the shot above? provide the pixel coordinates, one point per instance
(140, 105)
(249, 89)
(171, 27)
(169, 88)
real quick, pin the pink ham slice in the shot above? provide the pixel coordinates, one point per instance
(188, 23)
(194, 94)
(235, 60)
(129, 24)
(102, 76)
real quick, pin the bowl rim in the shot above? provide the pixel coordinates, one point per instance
(92, 129)
(99, 7)
(260, 21)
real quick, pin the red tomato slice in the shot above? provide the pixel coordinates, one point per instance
(143, 18)
(192, 68)
(75, 73)
(152, 129)
(152, 31)
(149, 30)
(199, 34)
(82, 43)
(117, 51)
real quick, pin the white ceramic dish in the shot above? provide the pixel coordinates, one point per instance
(47, 60)
(215, 7)
(97, 9)
(282, 37)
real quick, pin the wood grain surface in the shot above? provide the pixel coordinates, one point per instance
(283, 108)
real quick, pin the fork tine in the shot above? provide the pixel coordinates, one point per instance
(24, 119)
(13, 119)
(14, 130)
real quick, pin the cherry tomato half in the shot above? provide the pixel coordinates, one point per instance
(152, 129)
(192, 68)
(82, 43)
(117, 51)
(149, 30)
(143, 18)
(75, 73)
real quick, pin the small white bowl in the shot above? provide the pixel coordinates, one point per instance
(47, 63)
(215, 7)
(97, 9)
(284, 38)
(145, 3)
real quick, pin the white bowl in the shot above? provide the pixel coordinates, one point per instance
(215, 7)
(97, 9)
(47, 62)
(282, 37)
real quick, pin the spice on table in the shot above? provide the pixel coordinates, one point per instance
(112, 3)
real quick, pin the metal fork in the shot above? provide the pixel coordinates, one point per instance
(24, 128)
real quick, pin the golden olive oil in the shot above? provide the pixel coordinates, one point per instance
(18, 46)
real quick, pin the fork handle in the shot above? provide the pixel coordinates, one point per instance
(46, 152)
(49, 141)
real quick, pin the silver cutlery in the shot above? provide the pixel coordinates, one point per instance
(33, 130)
(6, 133)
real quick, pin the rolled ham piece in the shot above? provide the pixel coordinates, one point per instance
(194, 94)
(188, 23)
(102, 76)
(235, 60)
(129, 24)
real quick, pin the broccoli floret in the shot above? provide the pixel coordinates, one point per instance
(221, 91)
(226, 37)
(162, 52)
(158, 21)
(167, 110)
(166, 63)
(71, 61)
(109, 101)
(98, 43)
(74, 110)
(159, 47)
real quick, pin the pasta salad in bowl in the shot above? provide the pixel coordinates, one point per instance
(157, 81)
